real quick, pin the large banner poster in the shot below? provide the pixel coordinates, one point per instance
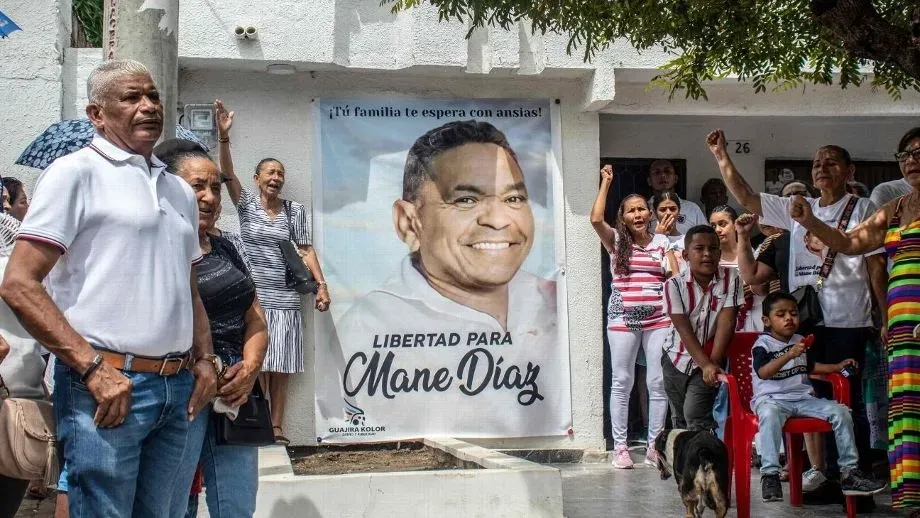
(434, 221)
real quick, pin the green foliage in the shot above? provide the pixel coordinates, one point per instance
(774, 44)
(89, 15)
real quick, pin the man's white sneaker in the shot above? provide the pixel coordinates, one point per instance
(651, 458)
(812, 480)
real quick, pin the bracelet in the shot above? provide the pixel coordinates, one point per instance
(223, 140)
(97, 362)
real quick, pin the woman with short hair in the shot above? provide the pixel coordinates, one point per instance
(266, 220)
(238, 332)
(19, 199)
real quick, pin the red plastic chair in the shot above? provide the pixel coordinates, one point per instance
(742, 425)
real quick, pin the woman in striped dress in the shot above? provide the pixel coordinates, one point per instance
(266, 220)
(897, 226)
(639, 263)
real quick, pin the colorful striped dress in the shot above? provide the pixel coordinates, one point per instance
(903, 247)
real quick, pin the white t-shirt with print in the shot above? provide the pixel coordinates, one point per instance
(845, 296)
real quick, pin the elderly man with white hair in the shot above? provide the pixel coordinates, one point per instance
(114, 236)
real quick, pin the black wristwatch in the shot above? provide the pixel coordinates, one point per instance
(97, 362)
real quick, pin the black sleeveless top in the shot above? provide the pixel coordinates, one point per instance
(227, 292)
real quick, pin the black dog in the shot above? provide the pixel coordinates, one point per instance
(699, 463)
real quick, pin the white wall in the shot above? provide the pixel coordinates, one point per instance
(30, 77)
(273, 119)
(633, 136)
(361, 34)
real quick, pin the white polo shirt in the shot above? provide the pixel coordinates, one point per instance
(129, 235)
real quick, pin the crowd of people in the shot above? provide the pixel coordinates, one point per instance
(152, 324)
(148, 325)
(842, 259)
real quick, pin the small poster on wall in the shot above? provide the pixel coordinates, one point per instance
(435, 223)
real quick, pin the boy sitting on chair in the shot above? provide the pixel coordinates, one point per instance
(781, 367)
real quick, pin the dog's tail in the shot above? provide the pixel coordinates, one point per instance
(711, 483)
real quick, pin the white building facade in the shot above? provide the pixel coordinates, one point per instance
(352, 48)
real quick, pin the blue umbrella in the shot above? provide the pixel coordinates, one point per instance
(65, 137)
(7, 26)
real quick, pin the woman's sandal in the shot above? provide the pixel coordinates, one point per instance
(280, 438)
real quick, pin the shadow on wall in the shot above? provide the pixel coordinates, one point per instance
(350, 15)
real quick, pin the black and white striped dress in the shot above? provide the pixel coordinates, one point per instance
(281, 304)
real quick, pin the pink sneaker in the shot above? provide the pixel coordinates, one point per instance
(651, 458)
(621, 458)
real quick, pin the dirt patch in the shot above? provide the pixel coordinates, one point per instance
(370, 458)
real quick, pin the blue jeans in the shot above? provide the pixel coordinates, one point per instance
(773, 413)
(720, 410)
(142, 468)
(231, 476)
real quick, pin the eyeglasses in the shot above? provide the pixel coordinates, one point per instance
(795, 193)
(903, 155)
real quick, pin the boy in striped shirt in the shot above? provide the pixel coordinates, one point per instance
(702, 302)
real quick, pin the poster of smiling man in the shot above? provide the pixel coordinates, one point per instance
(437, 230)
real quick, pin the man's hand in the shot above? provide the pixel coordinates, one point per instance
(322, 298)
(716, 142)
(112, 391)
(237, 383)
(711, 374)
(4, 349)
(846, 363)
(607, 173)
(666, 224)
(205, 387)
(224, 119)
(799, 209)
(745, 223)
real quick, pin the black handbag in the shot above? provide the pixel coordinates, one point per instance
(810, 313)
(252, 426)
(296, 276)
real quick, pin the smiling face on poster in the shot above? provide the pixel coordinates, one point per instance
(438, 232)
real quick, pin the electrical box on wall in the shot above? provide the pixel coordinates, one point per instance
(201, 120)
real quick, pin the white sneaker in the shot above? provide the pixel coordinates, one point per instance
(651, 458)
(621, 458)
(812, 480)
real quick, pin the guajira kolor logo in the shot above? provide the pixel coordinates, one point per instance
(355, 423)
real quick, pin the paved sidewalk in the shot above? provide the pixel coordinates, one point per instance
(598, 490)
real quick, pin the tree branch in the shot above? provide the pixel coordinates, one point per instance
(865, 33)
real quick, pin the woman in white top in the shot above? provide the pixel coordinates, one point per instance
(639, 264)
(21, 364)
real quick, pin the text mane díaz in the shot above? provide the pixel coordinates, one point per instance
(477, 371)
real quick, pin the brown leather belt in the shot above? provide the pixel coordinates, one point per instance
(162, 366)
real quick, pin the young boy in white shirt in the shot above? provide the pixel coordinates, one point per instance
(781, 367)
